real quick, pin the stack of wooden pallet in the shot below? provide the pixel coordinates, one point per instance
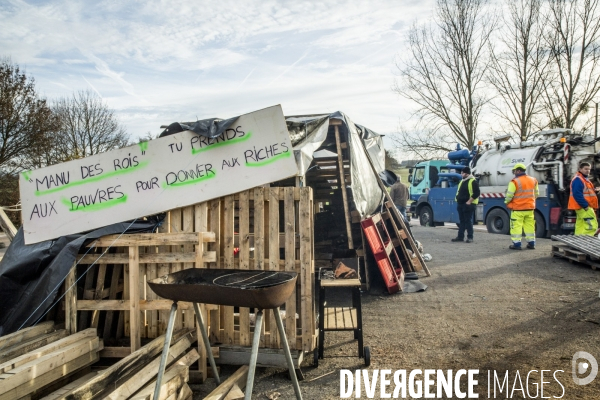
(33, 359)
(581, 249)
(134, 377)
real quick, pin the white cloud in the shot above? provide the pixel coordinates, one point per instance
(158, 62)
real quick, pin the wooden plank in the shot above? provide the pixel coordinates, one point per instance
(89, 282)
(228, 258)
(306, 270)
(163, 269)
(149, 239)
(71, 300)
(339, 317)
(65, 389)
(274, 256)
(259, 243)
(98, 293)
(35, 368)
(188, 226)
(340, 282)
(142, 288)
(7, 225)
(176, 226)
(47, 349)
(343, 187)
(173, 379)
(244, 258)
(134, 298)
(237, 378)
(107, 378)
(201, 226)
(141, 378)
(185, 393)
(259, 228)
(235, 393)
(151, 273)
(150, 258)
(215, 226)
(115, 352)
(7, 354)
(49, 377)
(124, 305)
(290, 257)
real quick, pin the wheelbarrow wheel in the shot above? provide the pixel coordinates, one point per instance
(367, 353)
(316, 357)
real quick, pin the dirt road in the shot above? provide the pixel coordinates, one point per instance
(487, 308)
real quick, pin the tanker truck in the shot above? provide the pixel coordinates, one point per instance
(551, 156)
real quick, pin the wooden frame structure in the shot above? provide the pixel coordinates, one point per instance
(261, 228)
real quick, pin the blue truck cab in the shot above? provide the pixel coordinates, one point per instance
(433, 199)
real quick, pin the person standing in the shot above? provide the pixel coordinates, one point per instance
(399, 194)
(467, 197)
(520, 198)
(584, 201)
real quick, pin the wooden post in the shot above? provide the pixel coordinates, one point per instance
(71, 300)
(273, 256)
(244, 255)
(290, 263)
(7, 226)
(228, 260)
(306, 271)
(134, 298)
(342, 182)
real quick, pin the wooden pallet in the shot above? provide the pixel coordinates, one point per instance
(573, 255)
(261, 228)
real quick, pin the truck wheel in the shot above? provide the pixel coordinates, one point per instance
(498, 222)
(426, 216)
(540, 226)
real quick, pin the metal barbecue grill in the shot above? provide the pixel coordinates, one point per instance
(254, 289)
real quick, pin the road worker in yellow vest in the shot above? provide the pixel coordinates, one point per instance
(520, 198)
(584, 201)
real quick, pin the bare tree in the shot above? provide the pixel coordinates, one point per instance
(444, 74)
(573, 41)
(422, 144)
(518, 68)
(25, 118)
(87, 126)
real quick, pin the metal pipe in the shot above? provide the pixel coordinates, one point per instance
(288, 355)
(165, 352)
(560, 171)
(211, 359)
(254, 355)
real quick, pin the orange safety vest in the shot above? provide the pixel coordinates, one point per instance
(588, 193)
(524, 198)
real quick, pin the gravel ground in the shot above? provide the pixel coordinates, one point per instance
(487, 308)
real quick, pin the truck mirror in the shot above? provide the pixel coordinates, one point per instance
(410, 178)
(410, 171)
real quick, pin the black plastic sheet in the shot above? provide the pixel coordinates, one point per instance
(31, 275)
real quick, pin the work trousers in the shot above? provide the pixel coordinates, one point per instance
(586, 223)
(402, 210)
(522, 222)
(465, 216)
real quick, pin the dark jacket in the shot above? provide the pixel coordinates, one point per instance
(463, 194)
(399, 194)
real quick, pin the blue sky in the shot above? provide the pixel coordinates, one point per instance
(157, 62)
